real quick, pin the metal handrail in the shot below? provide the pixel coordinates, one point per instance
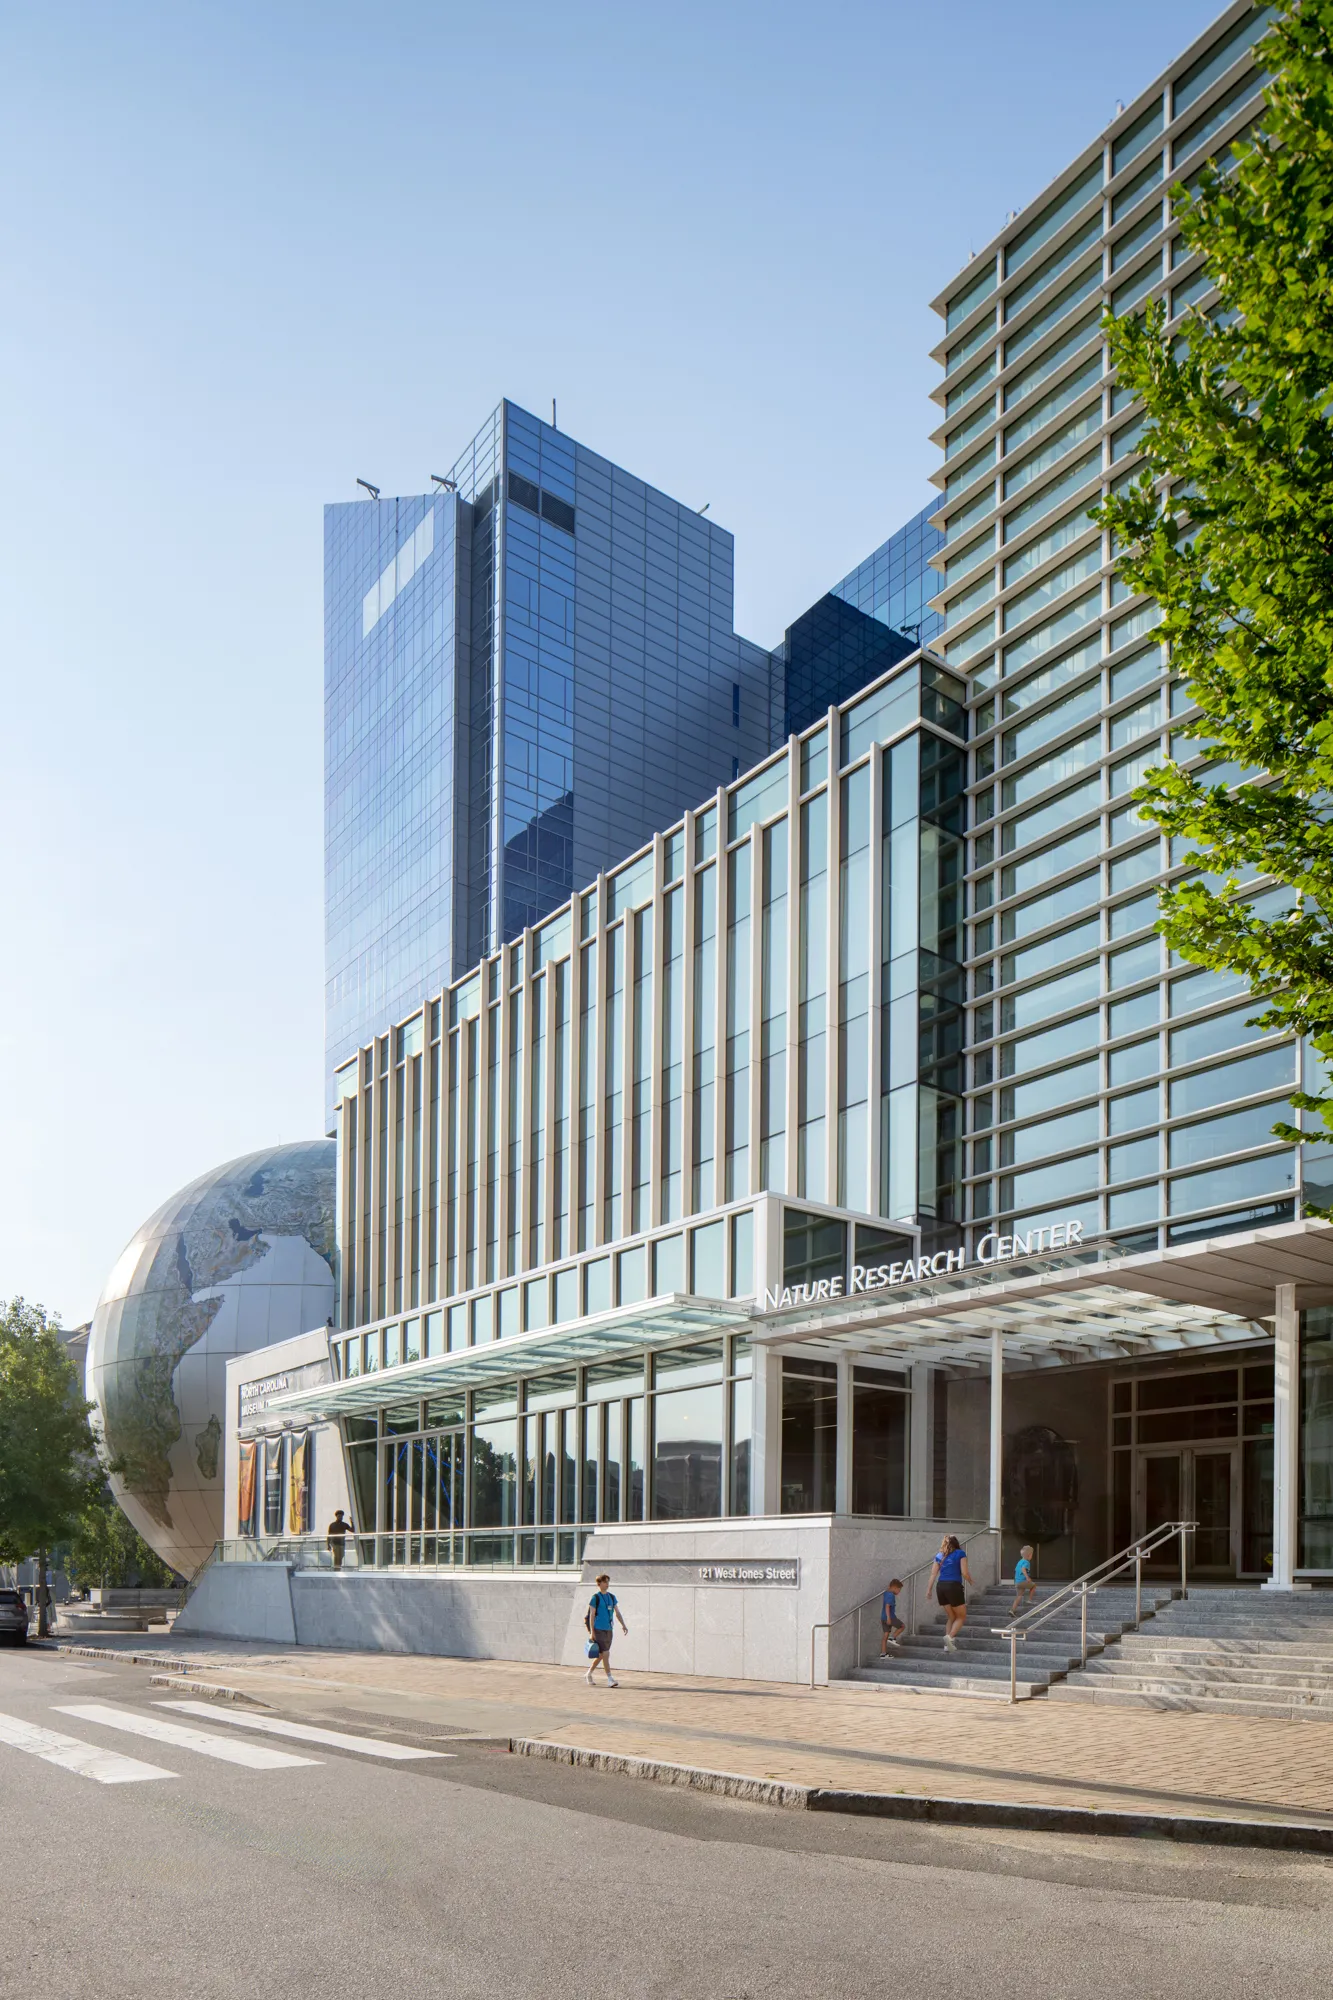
(1086, 1586)
(876, 1597)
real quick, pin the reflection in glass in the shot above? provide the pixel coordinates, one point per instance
(687, 1454)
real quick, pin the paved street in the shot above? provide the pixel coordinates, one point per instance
(849, 1736)
(149, 1841)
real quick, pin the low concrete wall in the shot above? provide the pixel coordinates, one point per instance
(481, 1617)
(732, 1599)
(683, 1622)
(240, 1601)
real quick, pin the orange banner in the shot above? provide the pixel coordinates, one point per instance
(245, 1506)
(298, 1483)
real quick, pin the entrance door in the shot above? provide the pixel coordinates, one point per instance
(1199, 1483)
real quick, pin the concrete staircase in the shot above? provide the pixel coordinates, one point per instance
(1227, 1651)
(980, 1665)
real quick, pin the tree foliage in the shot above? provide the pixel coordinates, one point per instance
(106, 1549)
(1230, 528)
(46, 1449)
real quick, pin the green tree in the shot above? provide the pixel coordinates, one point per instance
(1230, 528)
(46, 1449)
(106, 1549)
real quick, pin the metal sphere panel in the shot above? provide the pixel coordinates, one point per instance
(240, 1258)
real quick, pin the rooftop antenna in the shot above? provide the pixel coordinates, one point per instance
(704, 509)
(554, 425)
(373, 491)
(449, 485)
(1119, 106)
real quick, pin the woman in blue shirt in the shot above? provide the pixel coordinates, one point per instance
(949, 1573)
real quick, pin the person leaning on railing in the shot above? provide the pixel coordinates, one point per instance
(336, 1534)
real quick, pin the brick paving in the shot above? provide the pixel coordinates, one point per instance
(846, 1736)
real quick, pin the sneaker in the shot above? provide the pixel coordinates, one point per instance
(950, 1645)
(610, 1683)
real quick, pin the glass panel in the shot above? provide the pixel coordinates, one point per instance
(495, 1474)
(879, 1448)
(676, 1367)
(687, 1454)
(1161, 1489)
(1212, 1510)
(597, 1285)
(708, 1278)
(632, 1275)
(668, 1265)
(566, 1295)
(809, 1442)
(1315, 1546)
(742, 1432)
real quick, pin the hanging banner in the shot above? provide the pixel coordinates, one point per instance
(245, 1505)
(298, 1483)
(273, 1486)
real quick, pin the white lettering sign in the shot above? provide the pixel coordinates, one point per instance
(992, 1249)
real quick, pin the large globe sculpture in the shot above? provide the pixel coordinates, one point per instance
(238, 1259)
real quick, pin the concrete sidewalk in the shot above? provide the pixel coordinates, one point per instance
(848, 1736)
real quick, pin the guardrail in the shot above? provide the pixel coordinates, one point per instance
(910, 1617)
(466, 1549)
(1086, 1586)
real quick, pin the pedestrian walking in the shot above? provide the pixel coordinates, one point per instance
(335, 1534)
(602, 1609)
(890, 1624)
(1025, 1584)
(949, 1576)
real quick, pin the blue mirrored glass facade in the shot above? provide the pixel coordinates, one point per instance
(526, 672)
(863, 626)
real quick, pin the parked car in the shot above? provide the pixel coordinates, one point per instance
(13, 1617)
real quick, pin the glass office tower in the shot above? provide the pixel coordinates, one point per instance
(526, 671)
(863, 626)
(1103, 1074)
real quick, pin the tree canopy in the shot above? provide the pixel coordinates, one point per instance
(46, 1449)
(1230, 528)
(105, 1548)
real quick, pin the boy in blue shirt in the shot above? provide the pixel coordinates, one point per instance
(1024, 1582)
(602, 1608)
(890, 1624)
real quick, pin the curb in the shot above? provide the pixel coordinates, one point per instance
(727, 1784)
(114, 1653)
(212, 1690)
(1290, 1836)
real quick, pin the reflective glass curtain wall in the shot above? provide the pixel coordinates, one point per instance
(458, 1135)
(526, 673)
(1127, 1088)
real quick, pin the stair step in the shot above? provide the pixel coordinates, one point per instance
(1194, 1659)
(994, 1688)
(1178, 1673)
(955, 1663)
(1107, 1696)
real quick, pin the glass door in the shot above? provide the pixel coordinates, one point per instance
(1197, 1483)
(1216, 1488)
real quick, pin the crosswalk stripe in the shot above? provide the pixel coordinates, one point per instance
(257, 1756)
(306, 1732)
(86, 1760)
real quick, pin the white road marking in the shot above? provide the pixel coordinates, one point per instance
(257, 1756)
(106, 1767)
(306, 1732)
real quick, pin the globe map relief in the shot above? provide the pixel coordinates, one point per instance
(240, 1258)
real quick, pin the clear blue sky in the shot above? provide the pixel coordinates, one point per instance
(251, 252)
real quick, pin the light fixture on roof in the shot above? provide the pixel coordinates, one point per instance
(449, 485)
(704, 509)
(373, 491)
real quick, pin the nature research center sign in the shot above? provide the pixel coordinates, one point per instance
(992, 1249)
